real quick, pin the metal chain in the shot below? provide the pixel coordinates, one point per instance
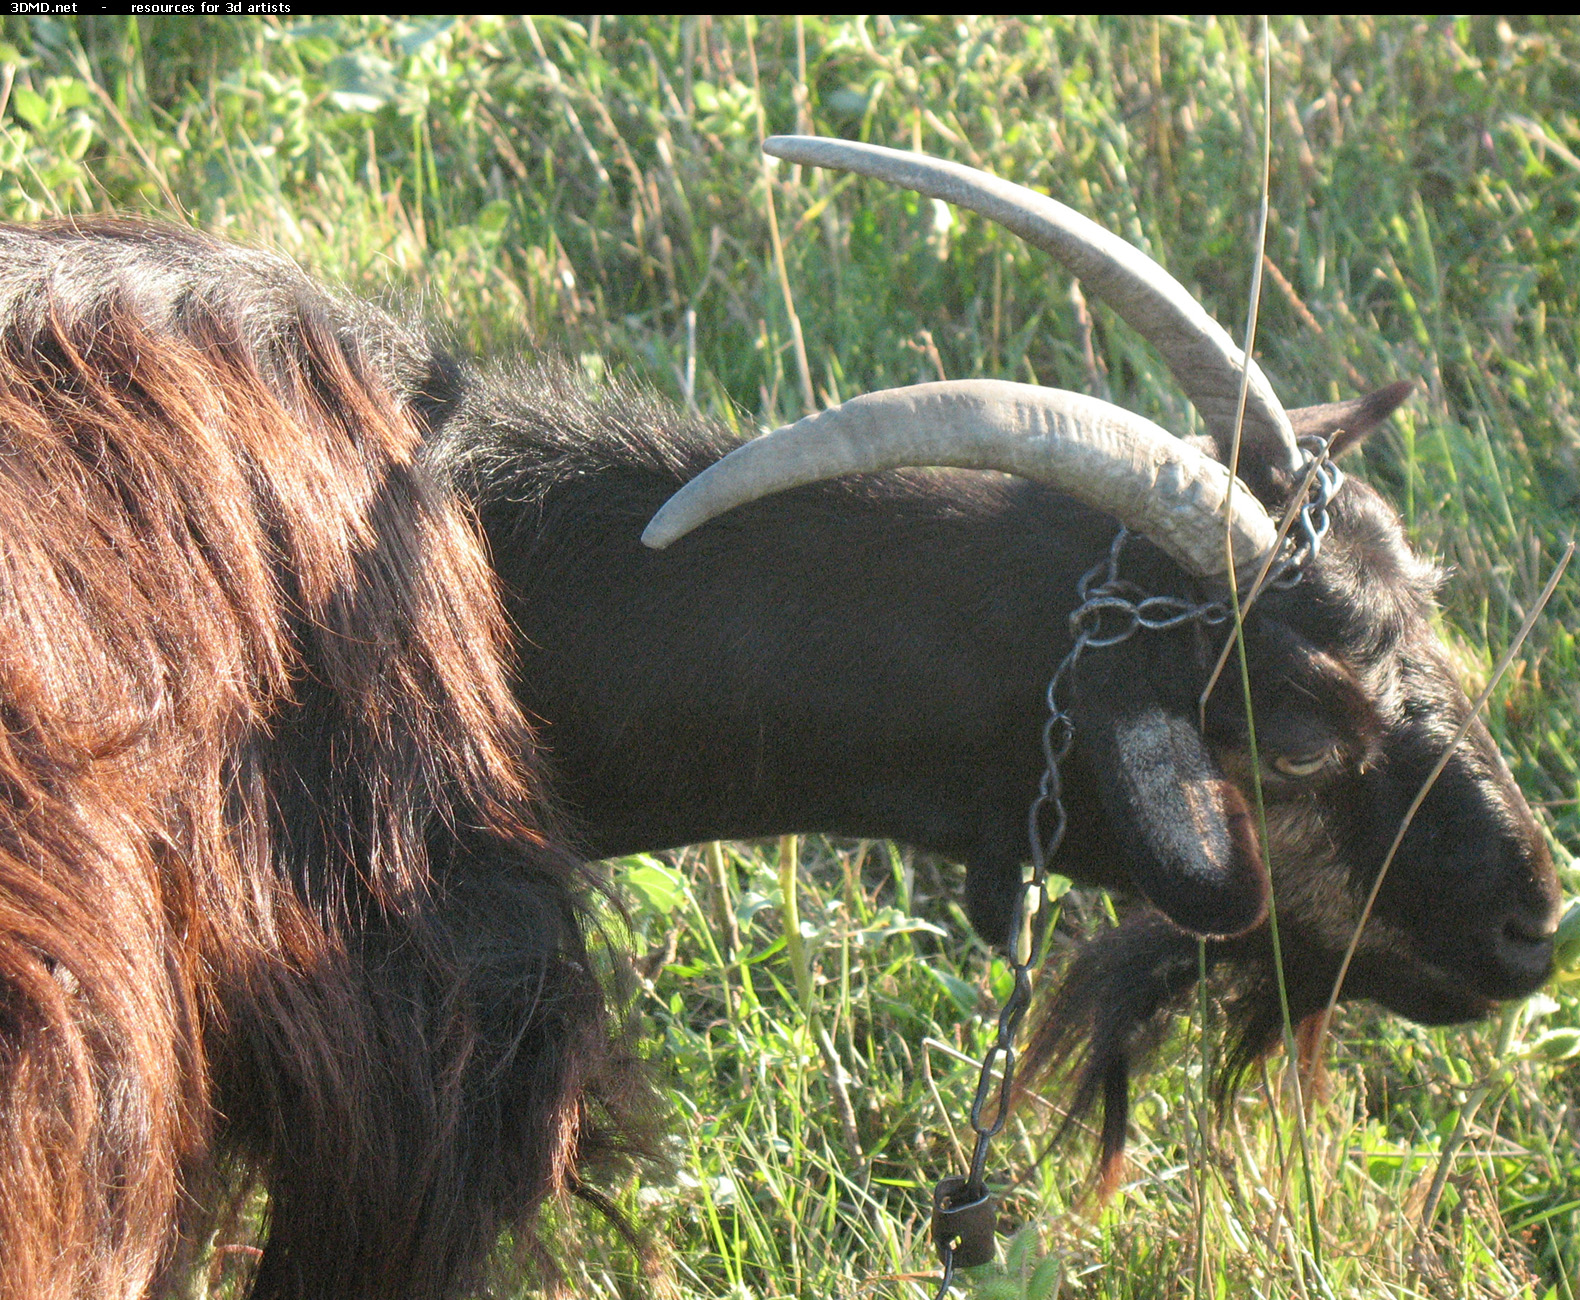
(1313, 521)
(1112, 610)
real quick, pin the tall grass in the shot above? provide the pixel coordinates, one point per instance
(595, 188)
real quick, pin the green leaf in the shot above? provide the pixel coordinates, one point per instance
(31, 107)
(77, 138)
(1555, 1045)
(751, 903)
(362, 82)
(70, 92)
(417, 37)
(660, 888)
(1017, 1254)
(1045, 1278)
(962, 994)
(1566, 942)
(494, 216)
(890, 921)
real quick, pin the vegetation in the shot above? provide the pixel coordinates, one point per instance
(595, 188)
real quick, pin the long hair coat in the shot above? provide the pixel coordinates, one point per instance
(278, 898)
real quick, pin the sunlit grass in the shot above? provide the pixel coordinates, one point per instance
(594, 188)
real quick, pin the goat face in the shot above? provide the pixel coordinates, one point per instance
(1354, 704)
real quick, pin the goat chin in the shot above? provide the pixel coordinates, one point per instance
(1113, 1002)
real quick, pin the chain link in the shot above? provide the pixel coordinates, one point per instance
(1312, 524)
(1111, 610)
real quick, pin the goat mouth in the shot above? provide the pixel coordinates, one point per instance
(1396, 976)
(1428, 993)
(1462, 978)
(1523, 953)
(1488, 971)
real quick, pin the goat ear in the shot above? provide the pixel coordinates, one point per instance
(1351, 420)
(1182, 826)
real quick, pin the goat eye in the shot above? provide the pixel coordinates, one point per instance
(1304, 764)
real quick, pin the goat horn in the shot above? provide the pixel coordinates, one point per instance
(1204, 360)
(1102, 454)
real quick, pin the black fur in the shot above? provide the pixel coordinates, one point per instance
(869, 657)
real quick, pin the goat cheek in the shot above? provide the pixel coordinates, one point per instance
(1310, 881)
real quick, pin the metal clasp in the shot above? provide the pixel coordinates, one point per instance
(966, 1225)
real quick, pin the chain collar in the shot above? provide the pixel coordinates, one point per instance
(1111, 610)
(1311, 526)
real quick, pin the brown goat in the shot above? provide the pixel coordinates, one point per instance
(275, 887)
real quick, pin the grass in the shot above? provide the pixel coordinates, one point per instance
(596, 188)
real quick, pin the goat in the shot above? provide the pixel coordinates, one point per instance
(278, 889)
(283, 879)
(869, 655)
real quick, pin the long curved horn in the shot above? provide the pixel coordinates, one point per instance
(1205, 362)
(1109, 457)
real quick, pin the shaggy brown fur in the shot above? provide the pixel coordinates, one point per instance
(274, 891)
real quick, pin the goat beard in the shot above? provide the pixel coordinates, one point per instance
(1113, 1009)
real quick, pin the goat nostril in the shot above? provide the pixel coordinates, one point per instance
(1525, 947)
(1523, 930)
